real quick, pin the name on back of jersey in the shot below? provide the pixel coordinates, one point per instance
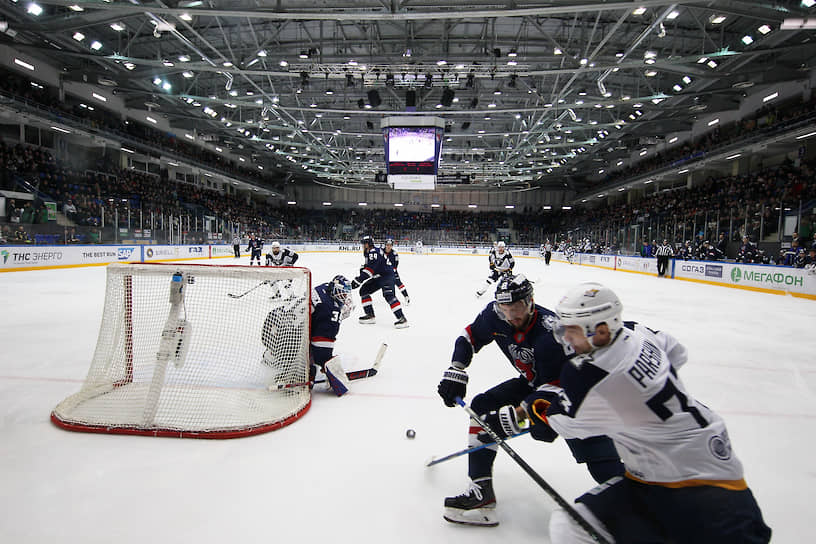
(647, 364)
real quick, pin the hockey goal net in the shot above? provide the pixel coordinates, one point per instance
(196, 351)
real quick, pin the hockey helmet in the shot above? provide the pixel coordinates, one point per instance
(389, 242)
(510, 289)
(340, 288)
(367, 241)
(589, 305)
(275, 245)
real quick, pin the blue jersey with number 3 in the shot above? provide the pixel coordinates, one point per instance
(326, 313)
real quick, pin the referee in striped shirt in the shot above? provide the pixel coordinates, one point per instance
(664, 252)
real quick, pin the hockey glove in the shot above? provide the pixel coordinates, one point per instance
(355, 283)
(537, 405)
(503, 422)
(453, 384)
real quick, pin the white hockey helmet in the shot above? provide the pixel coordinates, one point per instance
(588, 305)
(500, 244)
(275, 245)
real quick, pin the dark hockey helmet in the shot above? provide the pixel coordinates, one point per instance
(512, 288)
(389, 242)
(367, 241)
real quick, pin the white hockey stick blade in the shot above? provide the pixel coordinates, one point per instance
(380, 354)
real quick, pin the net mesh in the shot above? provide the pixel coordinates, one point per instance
(188, 350)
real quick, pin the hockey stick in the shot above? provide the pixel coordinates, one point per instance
(233, 295)
(352, 375)
(436, 460)
(568, 508)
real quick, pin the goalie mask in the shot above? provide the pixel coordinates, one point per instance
(341, 293)
(588, 305)
(514, 300)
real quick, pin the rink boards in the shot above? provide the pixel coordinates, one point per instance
(764, 278)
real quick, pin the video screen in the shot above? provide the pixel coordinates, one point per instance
(411, 144)
(411, 150)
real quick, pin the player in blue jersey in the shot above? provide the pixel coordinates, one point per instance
(331, 303)
(254, 246)
(523, 332)
(377, 274)
(683, 481)
(393, 260)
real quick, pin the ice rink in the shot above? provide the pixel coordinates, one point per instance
(346, 472)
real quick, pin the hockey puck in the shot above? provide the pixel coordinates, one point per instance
(410, 433)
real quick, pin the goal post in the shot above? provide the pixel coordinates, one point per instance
(196, 351)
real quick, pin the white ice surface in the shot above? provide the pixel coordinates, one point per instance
(346, 472)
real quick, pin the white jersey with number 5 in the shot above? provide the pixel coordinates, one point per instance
(630, 391)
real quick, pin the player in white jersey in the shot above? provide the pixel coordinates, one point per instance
(683, 482)
(501, 262)
(281, 257)
(569, 253)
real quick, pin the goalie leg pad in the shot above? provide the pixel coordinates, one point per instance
(338, 380)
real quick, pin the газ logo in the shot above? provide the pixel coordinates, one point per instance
(124, 253)
(736, 275)
(197, 249)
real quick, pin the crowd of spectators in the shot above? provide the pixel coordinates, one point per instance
(744, 205)
(746, 202)
(97, 118)
(763, 122)
(90, 195)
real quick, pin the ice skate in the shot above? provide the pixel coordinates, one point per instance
(476, 506)
(401, 323)
(367, 319)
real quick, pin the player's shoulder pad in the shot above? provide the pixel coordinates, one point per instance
(577, 380)
(546, 317)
